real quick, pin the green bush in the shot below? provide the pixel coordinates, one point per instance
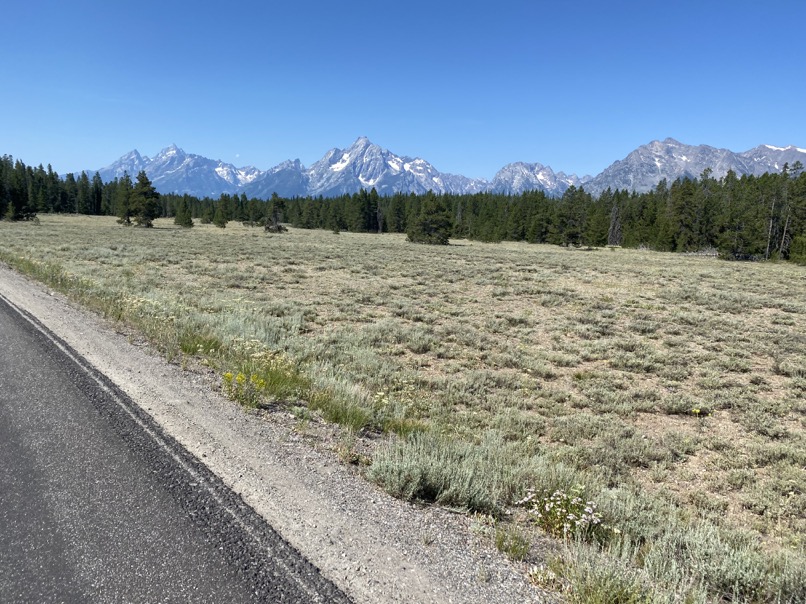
(432, 226)
(429, 230)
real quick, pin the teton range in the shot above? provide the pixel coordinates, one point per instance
(366, 165)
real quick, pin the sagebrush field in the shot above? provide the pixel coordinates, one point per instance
(669, 390)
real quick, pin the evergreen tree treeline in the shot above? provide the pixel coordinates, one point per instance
(747, 217)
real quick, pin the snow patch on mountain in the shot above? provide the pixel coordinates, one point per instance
(367, 165)
(519, 177)
(342, 163)
(789, 148)
(669, 159)
(174, 171)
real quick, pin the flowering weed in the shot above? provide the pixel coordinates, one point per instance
(262, 375)
(563, 514)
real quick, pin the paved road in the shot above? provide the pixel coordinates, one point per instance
(97, 504)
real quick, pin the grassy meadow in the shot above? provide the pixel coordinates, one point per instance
(667, 391)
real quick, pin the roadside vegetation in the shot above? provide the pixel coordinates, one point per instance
(645, 410)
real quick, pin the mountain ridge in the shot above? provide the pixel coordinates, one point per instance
(367, 165)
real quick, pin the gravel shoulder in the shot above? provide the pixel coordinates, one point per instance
(375, 548)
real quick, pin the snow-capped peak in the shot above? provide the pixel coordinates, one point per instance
(789, 148)
(365, 164)
(171, 151)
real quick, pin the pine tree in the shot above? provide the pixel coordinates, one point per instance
(183, 217)
(53, 196)
(219, 217)
(70, 193)
(122, 200)
(145, 201)
(97, 195)
(797, 251)
(571, 217)
(254, 211)
(18, 191)
(207, 212)
(276, 210)
(614, 233)
(83, 194)
(375, 204)
(433, 226)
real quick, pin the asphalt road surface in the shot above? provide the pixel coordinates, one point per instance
(98, 504)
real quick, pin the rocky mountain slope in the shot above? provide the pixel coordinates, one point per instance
(174, 171)
(669, 159)
(366, 165)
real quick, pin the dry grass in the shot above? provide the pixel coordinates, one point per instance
(682, 377)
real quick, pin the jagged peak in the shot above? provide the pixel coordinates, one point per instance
(362, 145)
(294, 164)
(366, 163)
(170, 150)
(530, 166)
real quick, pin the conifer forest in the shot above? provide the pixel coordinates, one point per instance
(738, 217)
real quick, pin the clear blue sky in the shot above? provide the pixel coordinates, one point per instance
(469, 86)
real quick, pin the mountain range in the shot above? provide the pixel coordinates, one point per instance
(367, 165)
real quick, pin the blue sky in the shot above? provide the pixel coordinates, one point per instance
(469, 86)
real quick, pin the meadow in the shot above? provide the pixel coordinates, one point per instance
(665, 392)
